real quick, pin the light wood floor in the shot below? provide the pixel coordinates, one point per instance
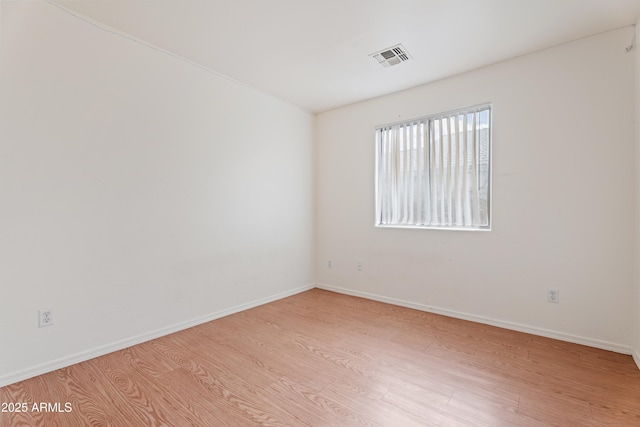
(324, 359)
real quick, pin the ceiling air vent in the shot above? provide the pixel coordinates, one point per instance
(392, 56)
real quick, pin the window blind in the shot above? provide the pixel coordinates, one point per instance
(435, 171)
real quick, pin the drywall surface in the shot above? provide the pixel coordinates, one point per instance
(636, 329)
(138, 193)
(562, 198)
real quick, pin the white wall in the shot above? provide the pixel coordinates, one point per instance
(138, 193)
(636, 349)
(563, 198)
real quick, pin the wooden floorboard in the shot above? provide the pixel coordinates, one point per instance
(324, 359)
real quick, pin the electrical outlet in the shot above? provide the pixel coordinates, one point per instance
(359, 266)
(46, 317)
(329, 265)
(553, 295)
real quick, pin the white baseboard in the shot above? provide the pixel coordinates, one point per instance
(122, 344)
(119, 345)
(605, 345)
(636, 357)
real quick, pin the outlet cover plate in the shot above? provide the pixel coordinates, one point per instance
(553, 295)
(45, 317)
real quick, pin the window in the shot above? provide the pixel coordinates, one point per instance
(434, 172)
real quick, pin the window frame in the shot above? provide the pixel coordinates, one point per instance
(427, 118)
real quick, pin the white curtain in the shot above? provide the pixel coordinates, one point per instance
(435, 171)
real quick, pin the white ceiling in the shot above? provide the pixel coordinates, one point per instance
(315, 53)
